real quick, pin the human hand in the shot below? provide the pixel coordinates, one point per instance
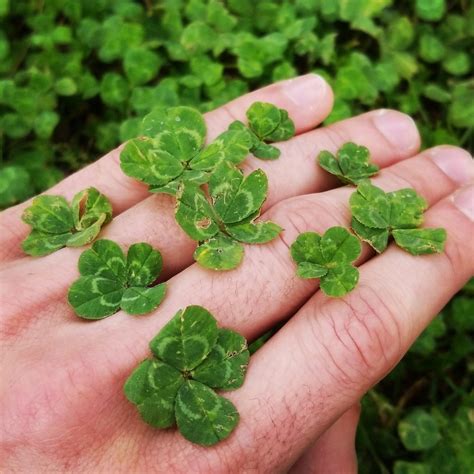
(63, 407)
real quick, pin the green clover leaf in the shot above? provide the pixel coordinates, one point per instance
(266, 124)
(328, 257)
(228, 220)
(377, 215)
(56, 224)
(192, 356)
(172, 150)
(419, 431)
(202, 416)
(350, 165)
(109, 281)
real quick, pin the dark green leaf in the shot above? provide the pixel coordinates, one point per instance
(140, 300)
(157, 407)
(419, 431)
(104, 259)
(328, 257)
(144, 263)
(187, 339)
(225, 366)
(202, 416)
(351, 164)
(194, 213)
(95, 297)
(109, 281)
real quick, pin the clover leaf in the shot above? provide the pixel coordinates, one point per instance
(328, 257)
(109, 281)
(350, 165)
(377, 215)
(266, 124)
(191, 357)
(222, 224)
(56, 224)
(172, 150)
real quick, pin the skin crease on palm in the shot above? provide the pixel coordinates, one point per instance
(61, 398)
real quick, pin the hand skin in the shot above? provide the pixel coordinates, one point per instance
(61, 398)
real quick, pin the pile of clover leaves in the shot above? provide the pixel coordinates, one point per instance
(217, 206)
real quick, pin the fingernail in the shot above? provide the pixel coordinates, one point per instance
(464, 201)
(399, 129)
(305, 91)
(454, 162)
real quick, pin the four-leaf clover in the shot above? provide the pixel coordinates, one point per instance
(228, 220)
(56, 224)
(350, 165)
(192, 357)
(328, 257)
(376, 215)
(266, 124)
(109, 281)
(172, 150)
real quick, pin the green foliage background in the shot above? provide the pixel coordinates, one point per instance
(77, 75)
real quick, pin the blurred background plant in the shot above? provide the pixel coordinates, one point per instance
(76, 76)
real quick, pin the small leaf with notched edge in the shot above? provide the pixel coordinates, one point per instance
(351, 163)
(378, 215)
(263, 118)
(202, 416)
(95, 297)
(187, 339)
(377, 238)
(144, 263)
(225, 366)
(157, 407)
(254, 233)
(328, 257)
(236, 197)
(109, 281)
(219, 253)
(137, 386)
(49, 214)
(105, 259)
(406, 209)
(370, 206)
(39, 243)
(420, 241)
(191, 357)
(139, 300)
(266, 124)
(194, 213)
(56, 224)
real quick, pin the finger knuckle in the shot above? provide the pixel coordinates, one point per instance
(304, 214)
